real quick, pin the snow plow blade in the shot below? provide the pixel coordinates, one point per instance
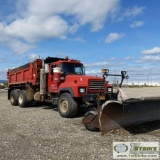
(114, 114)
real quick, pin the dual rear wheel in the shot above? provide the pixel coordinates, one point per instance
(14, 97)
(67, 105)
(19, 97)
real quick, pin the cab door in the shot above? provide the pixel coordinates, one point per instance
(52, 83)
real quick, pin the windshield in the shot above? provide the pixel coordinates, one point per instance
(72, 68)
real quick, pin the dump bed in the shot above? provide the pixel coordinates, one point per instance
(28, 73)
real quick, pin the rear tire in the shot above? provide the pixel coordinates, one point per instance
(90, 127)
(14, 97)
(22, 99)
(67, 106)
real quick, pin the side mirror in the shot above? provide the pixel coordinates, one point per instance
(63, 73)
(123, 73)
(127, 77)
(52, 69)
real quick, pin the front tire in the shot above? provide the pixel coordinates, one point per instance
(22, 99)
(67, 106)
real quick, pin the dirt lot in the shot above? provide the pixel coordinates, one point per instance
(40, 133)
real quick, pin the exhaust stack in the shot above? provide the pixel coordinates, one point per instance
(42, 82)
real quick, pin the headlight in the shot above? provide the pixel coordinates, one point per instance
(82, 90)
(109, 89)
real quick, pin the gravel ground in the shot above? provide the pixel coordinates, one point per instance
(40, 133)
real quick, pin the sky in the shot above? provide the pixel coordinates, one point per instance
(113, 34)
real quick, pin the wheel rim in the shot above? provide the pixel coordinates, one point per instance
(12, 99)
(20, 99)
(64, 105)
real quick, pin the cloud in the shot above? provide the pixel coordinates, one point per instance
(94, 72)
(137, 24)
(133, 12)
(35, 28)
(155, 50)
(83, 11)
(73, 28)
(130, 13)
(112, 58)
(149, 59)
(33, 56)
(39, 20)
(77, 39)
(128, 58)
(99, 64)
(3, 59)
(15, 44)
(113, 37)
(145, 74)
(3, 73)
(19, 47)
(103, 64)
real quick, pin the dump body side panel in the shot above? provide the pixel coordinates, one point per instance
(28, 73)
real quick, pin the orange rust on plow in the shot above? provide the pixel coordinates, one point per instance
(109, 116)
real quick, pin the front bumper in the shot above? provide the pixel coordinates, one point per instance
(89, 98)
(102, 97)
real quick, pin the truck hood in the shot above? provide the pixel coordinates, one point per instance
(91, 83)
(81, 79)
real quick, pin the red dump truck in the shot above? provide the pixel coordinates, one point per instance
(61, 81)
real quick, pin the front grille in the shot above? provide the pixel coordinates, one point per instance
(96, 85)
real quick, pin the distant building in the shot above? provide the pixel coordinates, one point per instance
(143, 84)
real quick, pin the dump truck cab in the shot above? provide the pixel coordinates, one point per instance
(68, 76)
(71, 89)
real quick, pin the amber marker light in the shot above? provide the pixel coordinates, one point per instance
(104, 70)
